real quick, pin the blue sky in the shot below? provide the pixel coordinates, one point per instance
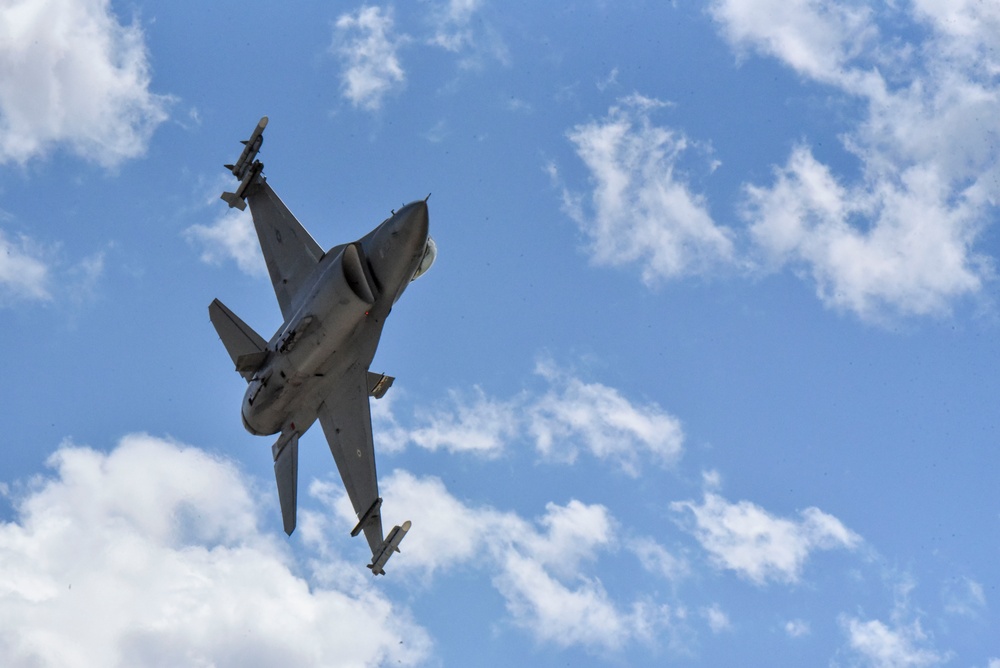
(704, 374)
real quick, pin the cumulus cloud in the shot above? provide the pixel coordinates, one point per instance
(758, 546)
(885, 647)
(231, 237)
(571, 417)
(24, 274)
(372, 69)
(71, 74)
(900, 239)
(151, 555)
(643, 208)
(540, 567)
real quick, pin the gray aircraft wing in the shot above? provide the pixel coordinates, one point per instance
(347, 424)
(290, 252)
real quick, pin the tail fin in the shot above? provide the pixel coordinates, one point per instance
(247, 348)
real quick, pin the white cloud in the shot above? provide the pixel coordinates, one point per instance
(717, 619)
(964, 597)
(884, 647)
(797, 628)
(658, 560)
(574, 415)
(453, 32)
(231, 237)
(481, 426)
(23, 272)
(642, 208)
(814, 38)
(372, 68)
(901, 238)
(71, 74)
(914, 259)
(571, 417)
(540, 567)
(758, 546)
(151, 555)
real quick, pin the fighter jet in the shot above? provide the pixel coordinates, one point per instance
(334, 306)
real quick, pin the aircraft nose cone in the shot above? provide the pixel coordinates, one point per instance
(413, 216)
(396, 247)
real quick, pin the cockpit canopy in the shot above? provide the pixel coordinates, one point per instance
(430, 254)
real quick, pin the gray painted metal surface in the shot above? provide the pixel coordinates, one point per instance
(315, 367)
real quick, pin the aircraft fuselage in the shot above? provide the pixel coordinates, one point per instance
(337, 323)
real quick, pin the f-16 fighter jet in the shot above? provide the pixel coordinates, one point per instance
(334, 305)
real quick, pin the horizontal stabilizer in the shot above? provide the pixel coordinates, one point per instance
(244, 345)
(390, 545)
(286, 473)
(234, 200)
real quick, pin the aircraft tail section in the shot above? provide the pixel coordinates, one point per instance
(246, 347)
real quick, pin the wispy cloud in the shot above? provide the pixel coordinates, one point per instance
(718, 620)
(72, 75)
(455, 31)
(797, 628)
(231, 237)
(883, 646)
(151, 555)
(32, 271)
(643, 208)
(541, 567)
(901, 238)
(365, 42)
(745, 538)
(24, 273)
(571, 417)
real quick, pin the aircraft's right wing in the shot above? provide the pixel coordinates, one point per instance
(290, 252)
(347, 423)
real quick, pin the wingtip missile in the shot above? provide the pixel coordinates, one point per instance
(251, 146)
(389, 545)
(246, 168)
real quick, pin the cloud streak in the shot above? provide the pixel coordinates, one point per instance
(24, 274)
(231, 237)
(570, 418)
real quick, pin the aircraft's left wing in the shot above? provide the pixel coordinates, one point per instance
(289, 250)
(347, 424)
